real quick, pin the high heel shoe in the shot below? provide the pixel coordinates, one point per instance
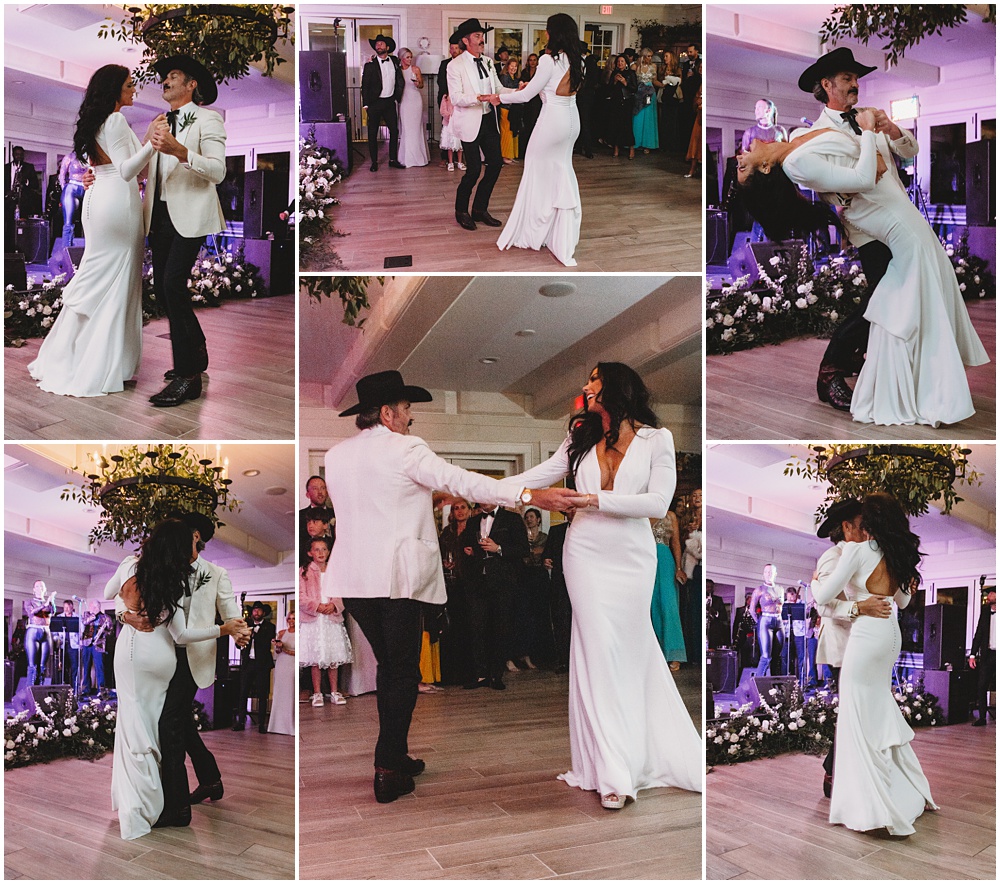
(613, 801)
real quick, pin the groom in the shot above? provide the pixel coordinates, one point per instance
(470, 76)
(833, 80)
(182, 208)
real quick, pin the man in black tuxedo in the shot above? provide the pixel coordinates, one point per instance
(21, 192)
(498, 552)
(381, 87)
(319, 509)
(983, 658)
(454, 49)
(559, 604)
(718, 617)
(586, 101)
(256, 663)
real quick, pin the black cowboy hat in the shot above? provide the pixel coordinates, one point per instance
(389, 42)
(455, 40)
(831, 64)
(841, 511)
(193, 68)
(265, 608)
(502, 49)
(470, 26)
(195, 521)
(384, 388)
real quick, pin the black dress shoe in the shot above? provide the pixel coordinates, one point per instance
(497, 684)
(464, 219)
(832, 388)
(412, 766)
(390, 784)
(827, 785)
(487, 219)
(393, 164)
(181, 818)
(476, 683)
(213, 791)
(177, 391)
(979, 722)
(239, 724)
(373, 167)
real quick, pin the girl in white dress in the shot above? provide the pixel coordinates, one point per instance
(412, 114)
(324, 643)
(877, 781)
(629, 729)
(95, 344)
(921, 336)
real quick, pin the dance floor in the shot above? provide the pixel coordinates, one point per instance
(637, 216)
(58, 822)
(770, 393)
(489, 805)
(767, 819)
(249, 389)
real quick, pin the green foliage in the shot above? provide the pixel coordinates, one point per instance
(352, 291)
(655, 34)
(59, 730)
(30, 313)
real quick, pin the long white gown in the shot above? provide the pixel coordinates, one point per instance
(95, 344)
(547, 208)
(412, 123)
(877, 779)
(921, 336)
(628, 727)
(286, 689)
(144, 665)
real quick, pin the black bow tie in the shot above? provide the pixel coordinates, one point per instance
(851, 118)
(385, 59)
(482, 69)
(172, 119)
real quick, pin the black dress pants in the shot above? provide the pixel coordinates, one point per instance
(393, 629)
(379, 111)
(848, 343)
(492, 604)
(489, 142)
(179, 736)
(986, 678)
(173, 257)
(828, 761)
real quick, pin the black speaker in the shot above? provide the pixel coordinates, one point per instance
(955, 691)
(265, 196)
(334, 136)
(14, 271)
(944, 636)
(8, 680)
(721, 669)
(33, 240)
(30, 697)
(748, 255)
(322, 85)
(276, 262)
(717, 234)
(227, 693)
(980, 183)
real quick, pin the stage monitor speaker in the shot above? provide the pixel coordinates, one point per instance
(980, 183)
(333, 136)
(14, 271)
(32, 236)
(265, 197)
(322, 85)
(721, 669)
(30, 697)
(275, 260)
(717, 233)
(748, 255)
(944, 636)
(955, 692)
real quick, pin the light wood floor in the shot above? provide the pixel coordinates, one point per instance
(770, 393)
(489, 805)
(767, 819)
(637, 216)
(249, 389)
(58, 822)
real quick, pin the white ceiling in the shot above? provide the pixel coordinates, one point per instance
(50, 51)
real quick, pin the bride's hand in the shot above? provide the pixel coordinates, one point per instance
(866, 120)
(157, 122)
(556, 499)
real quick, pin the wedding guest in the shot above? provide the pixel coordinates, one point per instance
(449, 142)
(256, 663)
(665, 610)
(645, 128)
(983, 658)
(691, 599)
(561, 608)
(621, 91)
(282, 719)
(510, 115)
(531, 109)
(532, 630)
(412, 114)
(324, 644)
(670, 104)
(456, 652)
(319, 507)
(694, 145)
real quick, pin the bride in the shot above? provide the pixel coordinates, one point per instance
(628, 727)
(878, 782)
(547, 207)
(144, 665)
(921, 336)
(95, 344)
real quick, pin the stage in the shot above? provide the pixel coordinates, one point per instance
(489, 804)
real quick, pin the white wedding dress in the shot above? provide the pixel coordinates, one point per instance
(628, 727)
(547, 209)
(144, 665)
(921, 336)
(877, 780)
(95, 344)
(412, 124)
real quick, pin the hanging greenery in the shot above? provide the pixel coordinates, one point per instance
(914, 474)
(901, 26)
(657, 35)
(352, 291)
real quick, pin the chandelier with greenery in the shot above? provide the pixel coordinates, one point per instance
(226, 38)
(136, 488)
(914, 474)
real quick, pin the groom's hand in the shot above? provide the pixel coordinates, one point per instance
(875, 606)
(88, 178)
(139, 622)
(165, 143)
(159, 122)
(884, 124)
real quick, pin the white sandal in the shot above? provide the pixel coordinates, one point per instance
(613, 801)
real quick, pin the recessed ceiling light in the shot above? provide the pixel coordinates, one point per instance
(490, 360)
(275, 491)
(557, 289)
(251, 473)
(525, 333)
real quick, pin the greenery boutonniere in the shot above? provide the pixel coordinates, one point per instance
(198, 578)
(186, 121)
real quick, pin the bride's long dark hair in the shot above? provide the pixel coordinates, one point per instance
(161, 575)
(564, 38)
(103, 92)
(624, 397)
(883, 518)
(775, 203)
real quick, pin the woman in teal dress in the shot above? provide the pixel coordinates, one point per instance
(644, 125)
(664, 608)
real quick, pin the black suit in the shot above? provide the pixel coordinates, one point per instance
(986, 665)
(492, 581)
(718, 622)
(20, 193)
(561, 609)
(317, 512)
(586, 102)
(255, 672)
(381, 109)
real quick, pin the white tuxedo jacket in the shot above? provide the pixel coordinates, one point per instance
(380, 485)
(464, 85)
(905, 147)
(189, 188)
(835, 623)
(211, 591)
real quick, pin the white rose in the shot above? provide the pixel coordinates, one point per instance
(766, 303)
(718, 739)
(728, 320)
(775, 261)
(801, 303)
(709, 323)
(733, 750)
(961, 286)
(734, 738)
(834, 316)
(10, 744)
(727, 335)
(811, 298)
